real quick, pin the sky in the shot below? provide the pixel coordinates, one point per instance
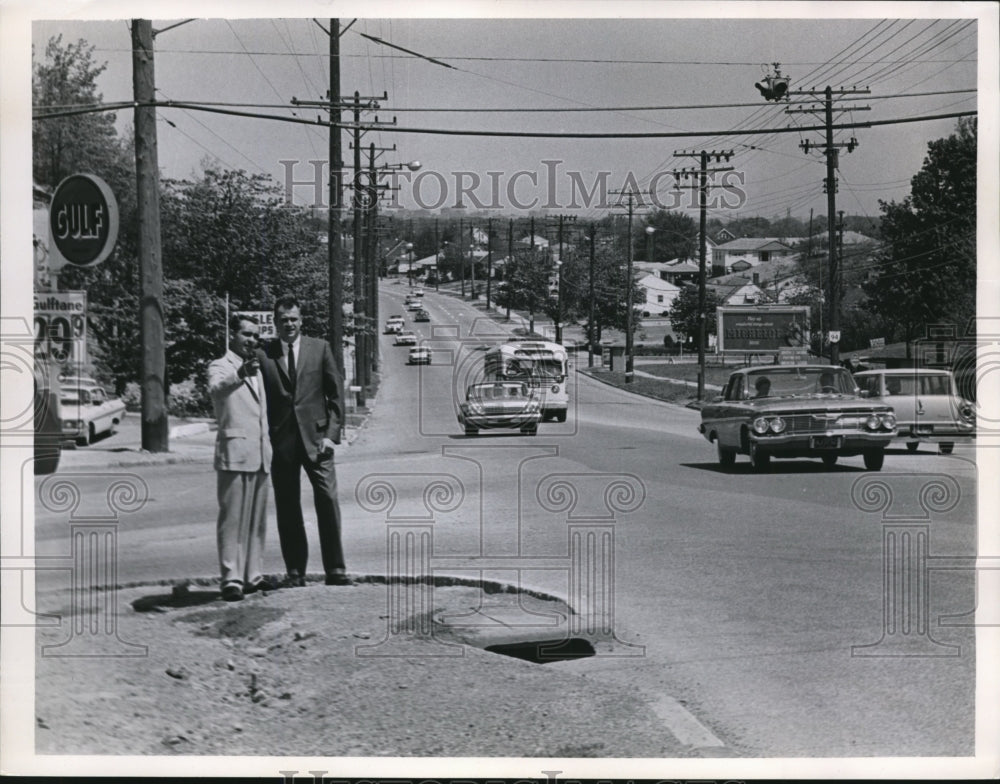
(617, 64)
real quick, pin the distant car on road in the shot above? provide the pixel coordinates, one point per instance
(87, 413)
(419, 355)
(413, 304)
(418, 292)
(406, 338)
(927, 405)
(393, 325)
(422, 315)
(500, 404)
(796, 411)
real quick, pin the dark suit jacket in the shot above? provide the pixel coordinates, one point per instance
(314, 413)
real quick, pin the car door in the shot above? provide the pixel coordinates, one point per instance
(934, 403)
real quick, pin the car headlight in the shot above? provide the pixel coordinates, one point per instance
(555, 387)
(889, 421)
(873, 422)
(778, 425)
(72, 424)
(760, 426)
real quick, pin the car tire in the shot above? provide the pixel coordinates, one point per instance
(87, 437)
(913, 446)
(874, 458)
(760, 460)
(727, 455)
(829, 460)
(561, 416)
(946, 447)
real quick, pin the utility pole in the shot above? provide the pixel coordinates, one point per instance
(155, 425)
(590, 317)
(510, 262)
(703, 171)
(629, 359)
(489, 260)
(832, 152)
(461, 252)
(472, 262)
(334, 105)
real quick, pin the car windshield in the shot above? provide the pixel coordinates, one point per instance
(536, 368)
(786, 381)
(499, 392)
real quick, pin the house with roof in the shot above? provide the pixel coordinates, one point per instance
(746, 253)
(738, 291)
(660, 296)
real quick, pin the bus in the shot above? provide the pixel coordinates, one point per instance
(542, 365)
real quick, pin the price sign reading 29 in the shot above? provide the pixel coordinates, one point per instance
(61, 326)
(83, 220)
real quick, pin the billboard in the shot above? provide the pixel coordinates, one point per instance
(762, 329)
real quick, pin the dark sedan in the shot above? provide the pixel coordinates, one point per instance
(796, 411)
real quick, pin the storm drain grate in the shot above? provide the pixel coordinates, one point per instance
(545, 651)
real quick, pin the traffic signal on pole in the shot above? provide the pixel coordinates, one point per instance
(775, 89)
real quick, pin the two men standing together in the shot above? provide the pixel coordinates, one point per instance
(291, 387)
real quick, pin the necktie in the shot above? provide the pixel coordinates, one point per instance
(291, 365)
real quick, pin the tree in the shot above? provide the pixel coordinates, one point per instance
(64, 79)
(684, 312)
(675, 237)
(610, 271)
(927, 267)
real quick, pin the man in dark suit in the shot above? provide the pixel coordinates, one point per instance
(304, 417)
(242, 460)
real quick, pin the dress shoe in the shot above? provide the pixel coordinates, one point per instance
(295, 580)
(338, 578)
(232, 592)
(264, 584)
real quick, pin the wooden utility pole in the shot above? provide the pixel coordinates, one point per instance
(629, 350)
(832, 152)
(590, 317)
(703, 171)
(489, 260)
(155, 425)
(334, 257)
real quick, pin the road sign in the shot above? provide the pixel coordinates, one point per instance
(83, 220)
(834, 335)
(265, 318)
(876, 343)
(61, 327)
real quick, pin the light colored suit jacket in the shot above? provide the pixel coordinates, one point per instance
(242, 443)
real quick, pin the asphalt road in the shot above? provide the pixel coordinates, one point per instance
(739, 601)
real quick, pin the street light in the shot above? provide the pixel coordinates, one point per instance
(650, 243)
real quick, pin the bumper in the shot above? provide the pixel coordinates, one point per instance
(799, 445)
(489, 421)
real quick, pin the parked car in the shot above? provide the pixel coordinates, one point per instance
(419, 355)
(422, 315)
(927, 405)
(796, 411)
(406, 338)
(500, 404)
(88, 413)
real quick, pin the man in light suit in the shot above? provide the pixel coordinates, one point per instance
(242, 459)
(304, 415)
